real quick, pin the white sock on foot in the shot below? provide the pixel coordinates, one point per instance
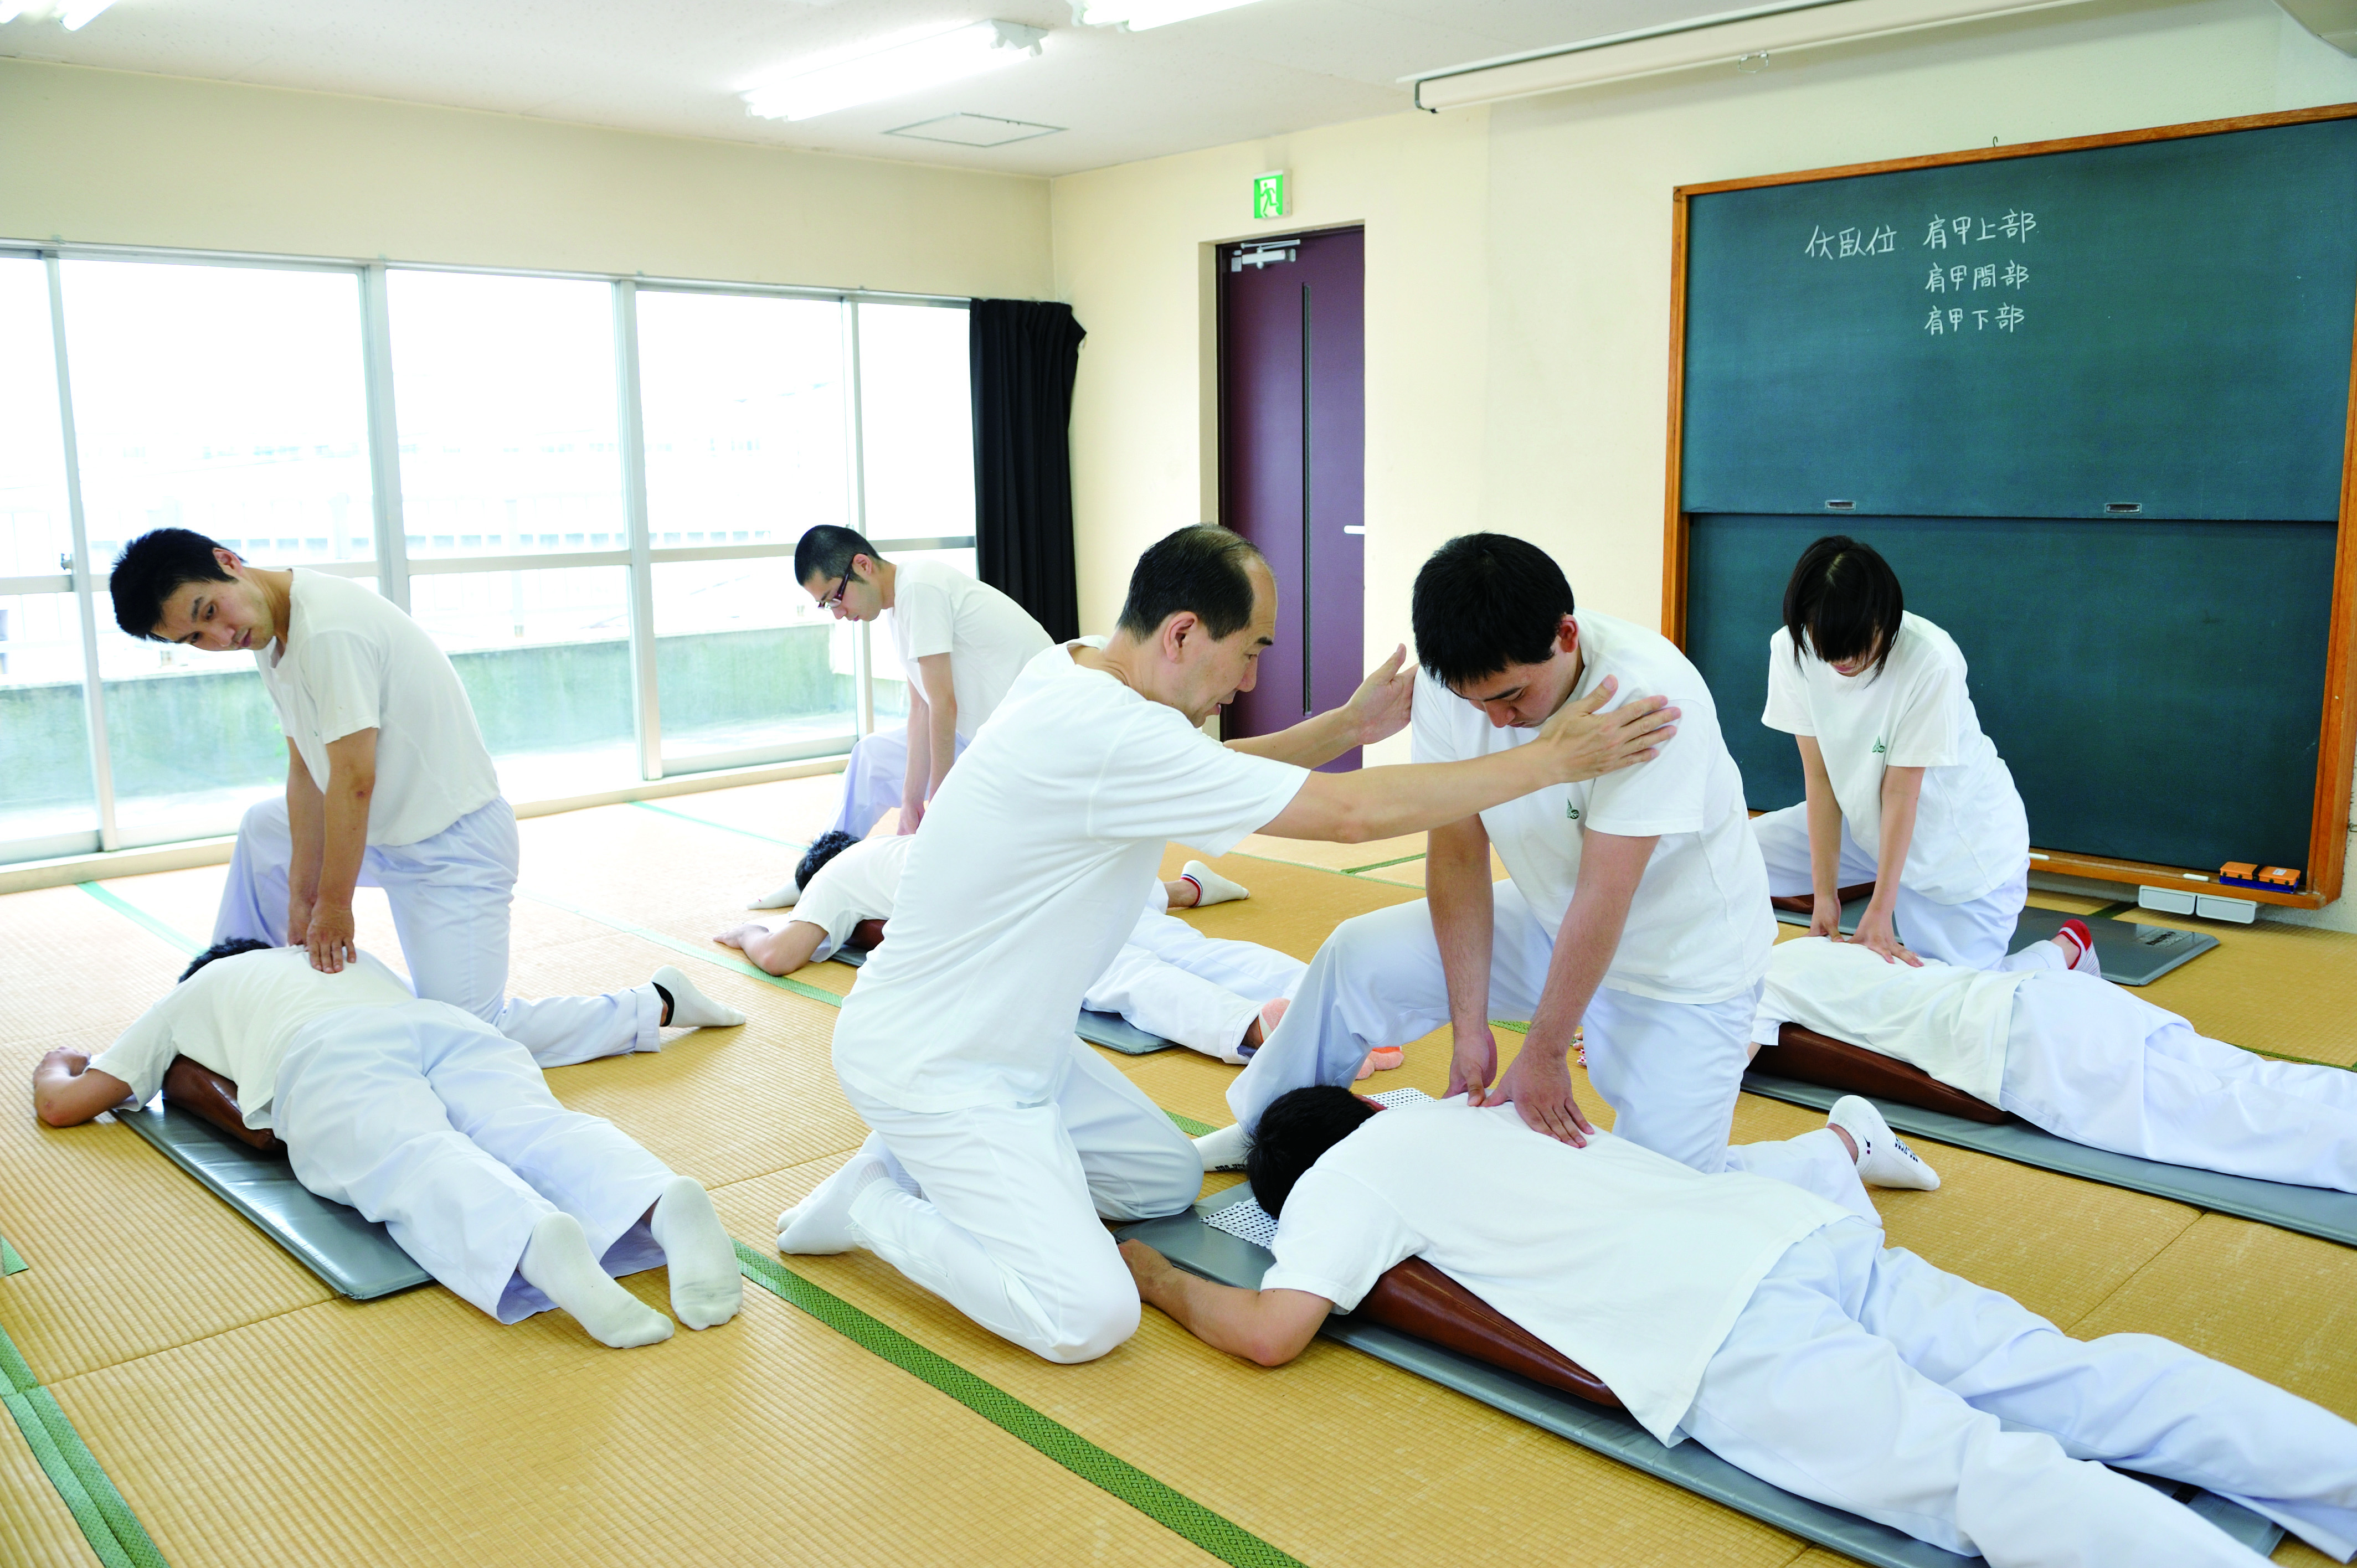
(557, 1259)
(779, 897)
(1882, 1159)
(1213, 887)
(1224, 1149)
(706, 1288)
(821, 1222)
(690, 1008)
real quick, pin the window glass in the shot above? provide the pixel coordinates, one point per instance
(35, 531)
(48, 804)
(742, 400)
(503, 394)
(916, 421)
(745, 664)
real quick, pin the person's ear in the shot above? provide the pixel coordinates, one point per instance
(1174, 633)
(1567, 635)
(227, 560)
(862, 567)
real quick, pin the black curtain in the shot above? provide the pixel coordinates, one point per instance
(1023, 354)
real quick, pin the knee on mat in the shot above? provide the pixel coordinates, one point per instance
(1096, 1322)
(1167, 1183)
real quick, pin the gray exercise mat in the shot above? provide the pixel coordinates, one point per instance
(1201, 1249)
(2309, 1211)
(354, 1256)
(1111, 1030)
(2130, 952)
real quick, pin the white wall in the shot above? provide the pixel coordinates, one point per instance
(113, 157)
(1519, 270)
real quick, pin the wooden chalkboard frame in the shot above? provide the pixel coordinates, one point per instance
(2328, 840)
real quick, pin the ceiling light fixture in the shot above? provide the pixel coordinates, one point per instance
(76, 15)
(1137, 15)
(805, 93)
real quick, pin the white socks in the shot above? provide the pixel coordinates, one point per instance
(778, 899)
(1882, 1159)
(1211, 887)
(690, 1008)
(706, 1288)
(1224, 1149)
(821, 1222)
(557, 1259)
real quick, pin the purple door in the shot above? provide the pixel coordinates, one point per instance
(1293, 451)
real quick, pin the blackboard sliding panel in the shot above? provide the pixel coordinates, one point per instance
(2333, 660)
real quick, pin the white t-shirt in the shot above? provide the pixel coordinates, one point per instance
(351, 661)
(1026, 879)
(862, 883)
(1952, 1023)
(1699, 926)
(1971, 836)
(988, 637)
(1633, 1265)
(237, 1015)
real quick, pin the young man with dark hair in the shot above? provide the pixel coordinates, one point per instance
(1777, 1331)
(961, 642)
(388, 785)
(999, 1140)
(1635, 903)
(427, 1119)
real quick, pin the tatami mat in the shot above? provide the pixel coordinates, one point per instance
(36, 1530)
(1332, 857)
(2289, 990)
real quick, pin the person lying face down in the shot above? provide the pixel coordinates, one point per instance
(2067, 1052)
(1208, 995)
(426, 1118)
(1776, 1330)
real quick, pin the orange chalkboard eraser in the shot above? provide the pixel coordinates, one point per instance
(2239, 873)
(2283, 876)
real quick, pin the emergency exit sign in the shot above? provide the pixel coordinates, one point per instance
(1268, 194)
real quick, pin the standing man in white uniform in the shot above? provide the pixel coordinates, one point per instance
(962, 643)
(388, 785)
(1635, 902)
(1779, 1334)
(999, 1140)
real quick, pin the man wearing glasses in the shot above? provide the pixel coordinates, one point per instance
(962, 643)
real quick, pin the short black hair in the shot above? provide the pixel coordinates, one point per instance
(152, 568)
(1844, 602)
(1298, 1126)
(229, 949)
(1485, 601)
(826, 551)
(828, 844)
(1201, 568)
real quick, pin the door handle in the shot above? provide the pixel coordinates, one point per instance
(1354, 528)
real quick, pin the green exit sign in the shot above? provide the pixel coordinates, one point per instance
(1268, 194)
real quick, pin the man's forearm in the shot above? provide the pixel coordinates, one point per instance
(306, 823)
(1464, 923)
(343, 841)
(920, 744)
(1312, 742)
(1270, 1328)
(1583, 952)
(942, 742)
(1383, 803)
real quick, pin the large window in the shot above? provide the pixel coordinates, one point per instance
(587, 490)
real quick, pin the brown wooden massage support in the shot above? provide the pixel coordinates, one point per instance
(1806, 902)
(204, 1093)
(1416, 1298)
(1811, 1057)
(864, 935)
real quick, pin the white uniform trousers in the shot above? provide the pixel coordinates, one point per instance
(1008, 1228)
(427, 1119)
(1202, 992)
(2088, 1062)
(1671, 1070)
(450, 895)
(1974, 934)
(876, 776)
(1869, 1381)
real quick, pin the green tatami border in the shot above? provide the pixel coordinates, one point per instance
(121, 905)
(724, 827)
(736, 965)
(12, 1261)
(1174, 1510)
(113, 1532)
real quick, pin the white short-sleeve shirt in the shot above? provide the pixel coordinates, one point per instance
(238, 1015)
(1952, 1023)
(1026, 879)
(351, 661)
(1699, 926)
(1634, 1265)
(862, 883)
(988, 637)
(1971, 836)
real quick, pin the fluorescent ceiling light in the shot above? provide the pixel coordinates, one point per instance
(894, 73)
(1139, 14)
(78, 12)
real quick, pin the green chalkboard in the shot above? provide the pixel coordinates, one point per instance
(2156, 687)
(2161, 325)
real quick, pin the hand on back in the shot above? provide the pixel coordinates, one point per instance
(1589, 743)
(1539, 1084)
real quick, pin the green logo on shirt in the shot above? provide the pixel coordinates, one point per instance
(1877, 746)
(1571, 810)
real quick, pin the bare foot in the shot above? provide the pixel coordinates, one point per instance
(738, 936)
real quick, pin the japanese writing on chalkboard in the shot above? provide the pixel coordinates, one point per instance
(1987, 279)
(1843, 243)
(2016, 226)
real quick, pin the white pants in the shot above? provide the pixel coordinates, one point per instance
(427, 1119)
(450, 895)
(1974, 934)
(1008, 1230)
(1670, 1071)
(2088, 1062)
(1869, 1381)
(875, 777)
(1201, 992)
